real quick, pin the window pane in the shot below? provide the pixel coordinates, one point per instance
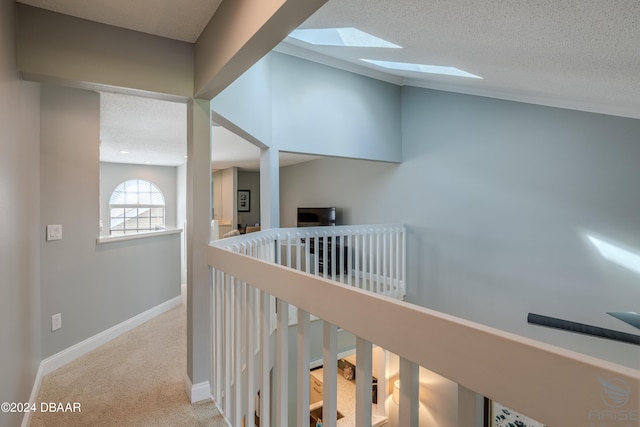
(135, 215)
(143, 186)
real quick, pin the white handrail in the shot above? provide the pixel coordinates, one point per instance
(556, 386)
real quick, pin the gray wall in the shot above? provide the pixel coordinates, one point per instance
(113, 174)
(94, 287)
(498, 197)
(55, 47)
(250, 181)
(19, 237)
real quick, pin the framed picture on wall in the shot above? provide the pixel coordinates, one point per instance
(498, 415)
(244, 200)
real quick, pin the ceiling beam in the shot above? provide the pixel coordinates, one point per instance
(61, 49)
(239, 34)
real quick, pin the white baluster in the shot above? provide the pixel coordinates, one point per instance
(330, 376)
(288, 250)
(307, 254)
(409, 387)
(228, 329)
(378, 288)
(316, 258)
(349, 260)
(325, 258)
(219, 333)
(238, 302)
(282, 364)
(357, 266)
(333, 256)
(298, 255)
(250, 350)
(303, 367)
(385, 263)
(469, 404)
(265, 359)
(363, 382)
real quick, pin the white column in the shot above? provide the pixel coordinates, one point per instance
(269, 188)
(198, 229)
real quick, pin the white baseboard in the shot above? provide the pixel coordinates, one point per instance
(26, 420)
(197, 392)
(70, 354)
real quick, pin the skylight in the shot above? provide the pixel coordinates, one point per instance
(420, 68)
(349, 37)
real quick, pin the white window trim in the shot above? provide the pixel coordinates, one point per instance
(134, 236)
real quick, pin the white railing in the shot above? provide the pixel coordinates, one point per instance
(369, 257)
(556, 386)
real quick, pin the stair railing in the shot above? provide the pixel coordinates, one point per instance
(257, 277)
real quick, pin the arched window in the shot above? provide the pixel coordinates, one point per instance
(136, 206)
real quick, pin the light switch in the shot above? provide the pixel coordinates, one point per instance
(54, 232)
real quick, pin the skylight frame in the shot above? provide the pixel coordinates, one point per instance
(421, 68)
(341, 37)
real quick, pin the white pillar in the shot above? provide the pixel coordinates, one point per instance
(198, 229)
(269, 188)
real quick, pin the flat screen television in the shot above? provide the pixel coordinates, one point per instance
(315, 217)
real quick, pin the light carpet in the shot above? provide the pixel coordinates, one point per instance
(136, 379)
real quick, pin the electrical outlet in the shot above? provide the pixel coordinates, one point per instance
(56, 322)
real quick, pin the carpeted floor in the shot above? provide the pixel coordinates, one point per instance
(135, 380)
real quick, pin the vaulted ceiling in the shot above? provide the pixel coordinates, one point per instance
(582, 54)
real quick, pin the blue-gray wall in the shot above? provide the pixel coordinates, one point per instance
(247, 101)
(291, 104)
(498, 197)
(323, 110)
(506, 194)
(19, 237)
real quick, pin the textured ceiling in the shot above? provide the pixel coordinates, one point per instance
(151, 131)
(582, 54)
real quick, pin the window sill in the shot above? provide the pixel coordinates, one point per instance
(112, 239)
